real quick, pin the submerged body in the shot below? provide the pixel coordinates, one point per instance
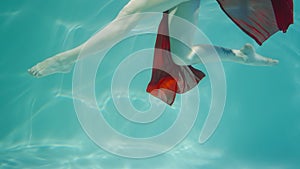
(187, 9)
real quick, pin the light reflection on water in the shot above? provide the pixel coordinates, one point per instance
(38, 125)
(73, 156)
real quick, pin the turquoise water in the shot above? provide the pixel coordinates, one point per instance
(260, 128)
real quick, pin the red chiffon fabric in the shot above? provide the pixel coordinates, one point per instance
(169, 78)
(260, 19)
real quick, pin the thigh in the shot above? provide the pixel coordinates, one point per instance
(136, 6)
(187, 11)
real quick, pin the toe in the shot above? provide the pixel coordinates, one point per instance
(36, 74)
(275, 62)
(272, 62)
(30, 71)
(33, 72)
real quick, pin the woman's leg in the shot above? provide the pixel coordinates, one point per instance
(63, 62)
(183, 55)
(246, 55)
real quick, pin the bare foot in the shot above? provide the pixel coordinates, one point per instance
(61, 63)
(50, 66)
(250, 57)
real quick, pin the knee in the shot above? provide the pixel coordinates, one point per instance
(124, 12)
(131, 8)
(180, 54)
(179, 60)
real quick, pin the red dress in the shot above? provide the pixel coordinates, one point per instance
(258, 18)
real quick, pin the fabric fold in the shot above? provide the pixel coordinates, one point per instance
(169, 78)
(260, 19)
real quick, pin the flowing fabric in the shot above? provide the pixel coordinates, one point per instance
(169, 78)
(260, 19)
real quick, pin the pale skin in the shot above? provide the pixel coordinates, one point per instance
(187, 9)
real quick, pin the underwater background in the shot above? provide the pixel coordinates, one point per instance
(260, 128)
